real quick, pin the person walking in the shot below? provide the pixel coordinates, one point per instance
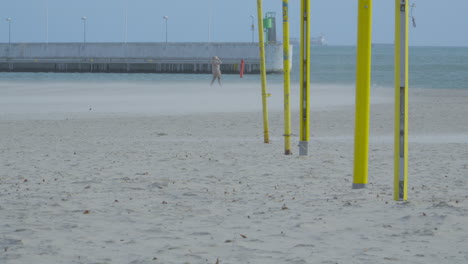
(216, 69)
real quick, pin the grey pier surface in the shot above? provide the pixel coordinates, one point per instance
(177, 57)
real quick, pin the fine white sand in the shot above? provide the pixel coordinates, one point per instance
(179, 173)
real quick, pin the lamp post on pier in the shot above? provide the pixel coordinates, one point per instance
(252, 27)
(9, 30)
(166, 18)
(84, 28)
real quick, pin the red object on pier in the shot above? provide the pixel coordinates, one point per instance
(242, 65)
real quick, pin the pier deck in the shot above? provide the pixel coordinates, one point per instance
(135, 57)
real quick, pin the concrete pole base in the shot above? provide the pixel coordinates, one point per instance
(303, 148)
(359, 185)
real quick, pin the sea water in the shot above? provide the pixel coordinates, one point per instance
(430, 67)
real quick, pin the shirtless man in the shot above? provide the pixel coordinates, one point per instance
(215, 67)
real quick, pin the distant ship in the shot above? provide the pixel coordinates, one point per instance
(318, 41)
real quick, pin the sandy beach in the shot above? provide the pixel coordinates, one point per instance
(179, 173)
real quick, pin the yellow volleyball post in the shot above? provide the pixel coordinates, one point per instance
(363, 82)
(304, 115)
(401, 101)
(286, 66)
(261, 45)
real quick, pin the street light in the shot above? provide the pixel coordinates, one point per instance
(9, 30)
(252, 27)
(166, 18)
(126, 24)
(84, 26)
(47, 22)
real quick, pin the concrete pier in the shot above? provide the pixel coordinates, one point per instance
(136, 57)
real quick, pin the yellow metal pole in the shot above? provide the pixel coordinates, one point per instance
(261, 45)
(401, 101)
(286, 66)
(363, 82)
(304, 116)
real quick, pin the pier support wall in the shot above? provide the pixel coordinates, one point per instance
(136, 57)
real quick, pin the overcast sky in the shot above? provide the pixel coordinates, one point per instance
(439, 22)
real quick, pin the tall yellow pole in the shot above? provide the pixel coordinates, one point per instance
(401, 101)
(261, 45)
(286, 66)
(304, 115)
(363, 82)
